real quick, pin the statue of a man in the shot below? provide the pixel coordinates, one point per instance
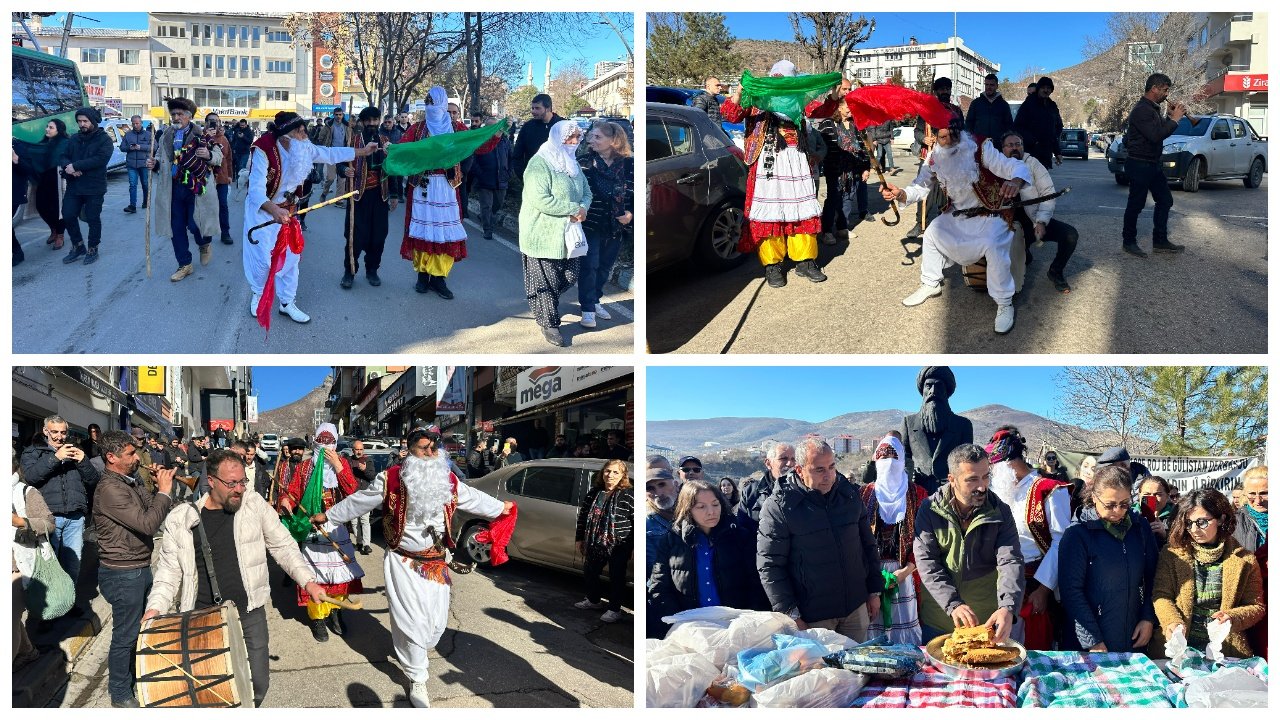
(933, 432)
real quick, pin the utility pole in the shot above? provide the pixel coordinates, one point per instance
(606, 21)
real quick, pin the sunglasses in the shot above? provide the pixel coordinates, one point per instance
(1111, 506)
(1202, 523)
(691, 469)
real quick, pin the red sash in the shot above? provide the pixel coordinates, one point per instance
(396, 502)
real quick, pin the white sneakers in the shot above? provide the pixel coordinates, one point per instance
(1004, 319)
(611, 616)
(922, 293)
(253, 304)
(588, 319)
(418, 695)
(294, 313)
(602, 313)
(588, 604)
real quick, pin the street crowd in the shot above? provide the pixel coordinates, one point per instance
(1115, 560)
(151, 507)
(575, 211)
(984, 184)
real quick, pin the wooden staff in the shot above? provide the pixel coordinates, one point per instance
(924, 204)
(299, 213)
(150, 196)
(875, 164)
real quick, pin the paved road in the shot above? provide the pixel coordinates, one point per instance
(113, 307)
(1211, 299)
(514, 640)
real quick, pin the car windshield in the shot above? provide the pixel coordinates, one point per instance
(1186, 128)
(1073, 135)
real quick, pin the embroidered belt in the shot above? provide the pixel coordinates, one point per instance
(430, 564)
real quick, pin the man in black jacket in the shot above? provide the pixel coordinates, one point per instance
(815, 552)
(489, 177)
(1144, 140)
(62, 473)
(1040, 125)
(779, 460)
(534, 132)
(255, 465)
(241, 144)
(84, 166)
(362, 467)
(136, 146)
(989, 115)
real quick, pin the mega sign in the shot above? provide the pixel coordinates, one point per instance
(535, 386)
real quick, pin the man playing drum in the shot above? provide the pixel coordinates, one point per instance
(126, 515)
(241, 528)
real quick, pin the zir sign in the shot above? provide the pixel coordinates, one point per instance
(1245, 83)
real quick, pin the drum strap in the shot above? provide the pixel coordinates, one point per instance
(207, 555)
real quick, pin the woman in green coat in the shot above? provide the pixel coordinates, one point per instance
(556, 196)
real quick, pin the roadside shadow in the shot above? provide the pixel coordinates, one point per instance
(487, 669)
(684, 299)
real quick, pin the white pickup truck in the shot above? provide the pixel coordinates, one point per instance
(1214, 147)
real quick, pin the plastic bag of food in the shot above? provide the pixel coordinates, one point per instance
(1218, 631)
(820, 688)
(790, 655)
(678, 681)
(877, 657)
(832, 639)
(1226, 687)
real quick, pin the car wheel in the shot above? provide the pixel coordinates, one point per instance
(1191, 181)
(717, 243)
(1122, 179)
(1254, 179)
(472, 549)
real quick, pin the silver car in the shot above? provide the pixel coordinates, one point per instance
(547, 494)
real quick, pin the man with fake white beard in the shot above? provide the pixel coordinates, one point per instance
(420, 496)
(279, 164)
(1042, 509)
(232, 528)
(977, 178)
(967, 552)
(932, 433)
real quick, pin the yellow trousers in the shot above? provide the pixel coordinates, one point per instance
(438, 265)
(320, 611)
(798, 247)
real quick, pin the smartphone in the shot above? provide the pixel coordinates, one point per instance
(1149, 507)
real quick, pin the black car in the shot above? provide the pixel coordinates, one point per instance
(696, 190)
(1074, 142)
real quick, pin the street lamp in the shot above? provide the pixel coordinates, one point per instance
(604, 20)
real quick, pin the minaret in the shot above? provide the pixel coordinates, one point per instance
(546, 79)
(530, 82)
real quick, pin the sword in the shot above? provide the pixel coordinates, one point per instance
(976, 211)
(303, 211)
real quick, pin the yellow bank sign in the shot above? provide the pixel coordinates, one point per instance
(151, 380)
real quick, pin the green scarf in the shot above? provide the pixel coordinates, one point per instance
(438, 152)
(299, 523)
(1119, 529)
(887, 597)
(785, 95)
(1208, 554)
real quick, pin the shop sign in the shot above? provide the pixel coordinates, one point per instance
(151, 380)
(95, 384)
(451, 398)
(1245, 83)
(539, 385)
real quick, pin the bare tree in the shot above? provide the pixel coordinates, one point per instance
(1106, 399)
(834, 36)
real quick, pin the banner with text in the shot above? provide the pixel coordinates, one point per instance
(1186, 473)
(451, 398)
(540, 385)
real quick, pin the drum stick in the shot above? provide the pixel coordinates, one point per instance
(190, 677)
(342, 603)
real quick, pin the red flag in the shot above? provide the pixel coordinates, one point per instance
(290, 238)
(878, 104)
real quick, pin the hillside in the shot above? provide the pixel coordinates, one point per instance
(298, 417)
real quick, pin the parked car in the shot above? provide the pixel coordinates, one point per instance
(269, 442)
(547, 493)
(903, 137)
(1214, 147)
(696, 190)
(1074, 142)
(685, 96)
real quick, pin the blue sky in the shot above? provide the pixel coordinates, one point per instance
(278, 386)
(597, 43)
(1049, 41)
(815, 394)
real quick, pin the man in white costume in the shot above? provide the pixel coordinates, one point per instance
(279, 163)
(420, 497)
(973, 177)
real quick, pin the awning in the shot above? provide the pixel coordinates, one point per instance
(540, 410)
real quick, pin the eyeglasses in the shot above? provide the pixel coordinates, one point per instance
(229, 485)
(691, 470)
(1256, 495)
(1111, 506)
(1202, 523)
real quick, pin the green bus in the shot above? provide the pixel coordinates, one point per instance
(44, 87)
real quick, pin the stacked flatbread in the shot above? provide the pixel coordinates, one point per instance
(973, 646)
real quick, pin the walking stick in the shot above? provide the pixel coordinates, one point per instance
(351, 226)
(150, 205)
(875, 164)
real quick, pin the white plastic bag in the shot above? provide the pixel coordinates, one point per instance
(678, 681)
(575, 240)
(821, 688)
(788, 655)
(1176, 646)
(1226, 687)
(832, 639)
(1218, 631)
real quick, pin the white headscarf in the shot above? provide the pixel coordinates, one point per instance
(891, 482)
(438, 120)
(785, 68)
(317, 456)
(562, 158)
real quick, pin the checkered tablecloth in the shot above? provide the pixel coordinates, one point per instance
(1073, 679)
(884, 694)
(1196, 663)
(932, 688)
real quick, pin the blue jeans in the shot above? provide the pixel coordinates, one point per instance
(224, 221)
(240, 160)
(181, 220)
(68, 541)
(602, 253)
(1146, 177)
(127, 591)
(139, 176)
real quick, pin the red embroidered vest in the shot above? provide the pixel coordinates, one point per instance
(270, 147)
(987, 188)
(396, 505)
(1037, 515)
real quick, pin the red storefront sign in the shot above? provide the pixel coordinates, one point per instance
(1245, 83)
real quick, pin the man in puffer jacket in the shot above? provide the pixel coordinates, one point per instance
(241, 527)
(62, 473)
(84, 166)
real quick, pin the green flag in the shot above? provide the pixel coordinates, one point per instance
(438, 152)
(786, 95)
(312, 503)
